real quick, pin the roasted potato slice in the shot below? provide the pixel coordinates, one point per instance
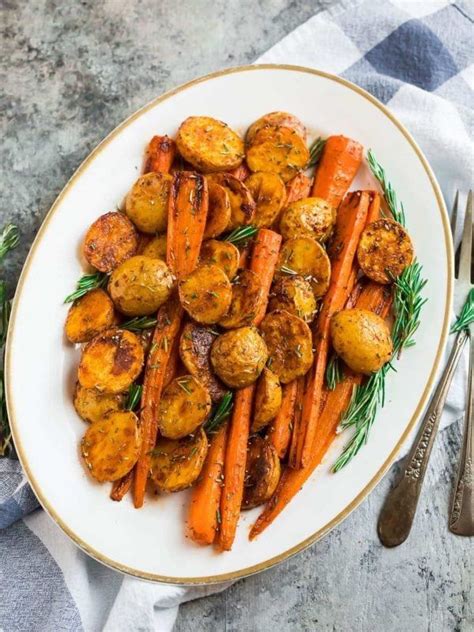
(295, 295)
(276, 119)
(247, 294)
(289, 342)
(205, 294)
(262, 472)
(110, 240)
(219, 211)
(155, 248)
(209, 145)
(269, 192)
(111, 446)
(362, 339)
(238, 356)
(147, 203)
(140, 285)
(306, 257)
(176, 464)
(184, 405)
(310, 217)
(221, 253)
(385, 250)
(194, 349)
(89, 315)
(111, 361)
(242, 204)
(92, 405)
(267, 399)
(277, 150)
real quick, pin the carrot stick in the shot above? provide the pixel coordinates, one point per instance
(187, 212)
(293, 457)
(241, 172)
(263, 262)
(279, 433)
(297, 188)
(374, 207)
(350, 222)
(172, 364)
(203, 514)
(121, 487)
(337, 168)
(376, 298)
(244, 256)
(160, 154)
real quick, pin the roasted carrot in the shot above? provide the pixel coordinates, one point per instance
(121, 487)
(350, 222)
(263, 262)
(340, 160)
(244, 256)
(204, 513)
(241, 172)
(298, 188)
(279, 433)
(173, 360)
(187, 212)
(160, 154)
(374, 207)
(376, 298)
(264, 259)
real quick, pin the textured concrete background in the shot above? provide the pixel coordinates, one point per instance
(70, 72)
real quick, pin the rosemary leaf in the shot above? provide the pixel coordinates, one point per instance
(396, 209)
(241, 235)
(139, 323)
(315, 151)
(333, 372)
(134, 396)
(287, 270)
(87, 283)
(220, 413)
(466, 317)
(9, 239)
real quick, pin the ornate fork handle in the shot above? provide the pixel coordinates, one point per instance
(399, 509)
(461, 518)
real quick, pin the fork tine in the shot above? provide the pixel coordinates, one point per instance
(454, 215)
(466, 244)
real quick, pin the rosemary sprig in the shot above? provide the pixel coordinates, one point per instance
(139, 323)
(396, 208)
(220, 413)
(333, 372)
(87, 283)
(287, 270)
(134, 396)
(315, 151)
(407, 304)
(9, 239)
(466, 317)
(241, 234)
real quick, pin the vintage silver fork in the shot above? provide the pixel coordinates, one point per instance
(399, 509)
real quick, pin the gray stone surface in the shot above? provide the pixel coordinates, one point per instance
(70, 72)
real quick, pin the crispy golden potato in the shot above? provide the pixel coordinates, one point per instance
(221, 253)
(276, 119)
(92, 405)
(247, 294)
(147, 203)
(306, 257)
(269, 192)
(289, 342)
(140, 285)
(176, 464)
(89, 315)
(362, 339)
(111, 446)
(238, 356)
(267, 399)
(111, 361)
(219, 210)
(184, 405)
(155, 248)
(209, 145)
(262, 472)
(110, 240)
(277, 150)
(385, 250)
(294, 294)
(205, 294)
(194, 350)
(242, 204)
(310, 217)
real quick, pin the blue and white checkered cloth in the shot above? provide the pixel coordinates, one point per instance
(417, 58)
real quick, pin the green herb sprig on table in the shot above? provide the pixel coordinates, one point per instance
(220, 413)
(408, 302)
(466, 316)
(315, 151)
(87, 283)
